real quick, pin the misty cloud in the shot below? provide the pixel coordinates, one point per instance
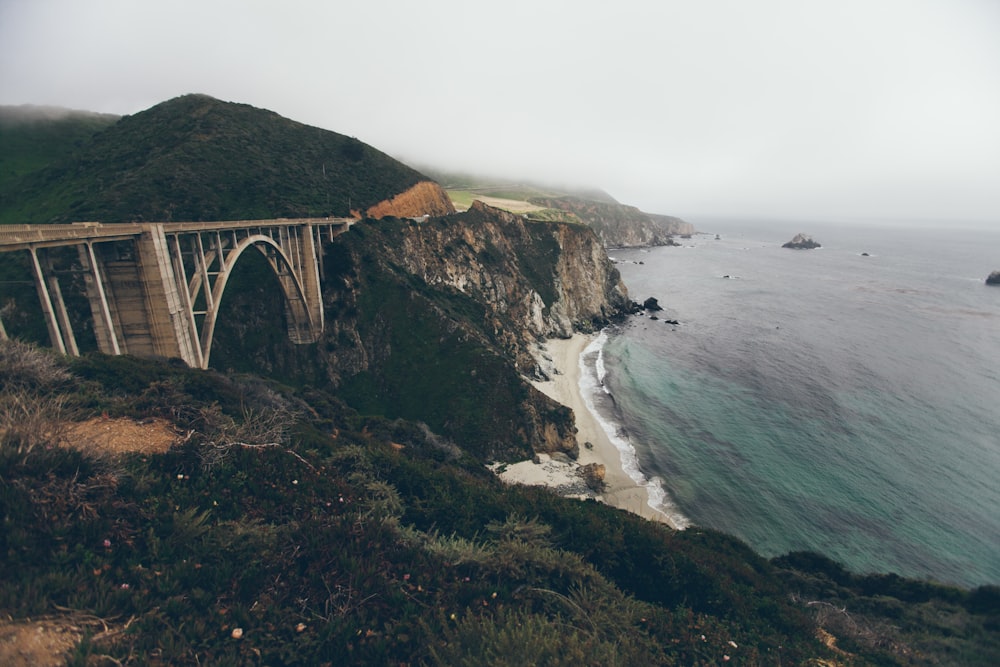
(773, 108)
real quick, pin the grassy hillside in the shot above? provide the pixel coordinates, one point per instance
(197, 158)
(32, 137)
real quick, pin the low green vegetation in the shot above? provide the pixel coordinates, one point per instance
(462, 199)
(508, 201)
(34, 137)
(555, 215)
(285, 528)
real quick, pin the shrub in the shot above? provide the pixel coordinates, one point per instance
(29, 420)
(26, 367)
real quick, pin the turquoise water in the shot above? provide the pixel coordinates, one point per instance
(822, 399)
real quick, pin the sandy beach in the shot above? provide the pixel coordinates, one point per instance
(561, 360)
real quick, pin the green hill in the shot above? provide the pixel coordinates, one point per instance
(197, 158)
(32, 137)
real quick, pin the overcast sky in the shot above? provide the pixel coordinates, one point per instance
(788, 108)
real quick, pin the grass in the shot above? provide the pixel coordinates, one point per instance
(462, 199)
(512, 202)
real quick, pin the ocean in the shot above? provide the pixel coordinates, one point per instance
(821, 400)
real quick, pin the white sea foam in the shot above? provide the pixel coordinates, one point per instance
(592, 380)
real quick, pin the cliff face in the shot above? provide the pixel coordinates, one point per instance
(534, 279)
(433, 321)
(424, 198)
(619, 225)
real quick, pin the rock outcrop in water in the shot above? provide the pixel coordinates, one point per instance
(652, 304)
(993, 278)
(802, 242)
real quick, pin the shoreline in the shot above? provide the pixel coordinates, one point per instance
(561, 359)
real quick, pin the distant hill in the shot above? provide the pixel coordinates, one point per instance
(505, 188)
(198, 158)
(616, 224)
(619, 225)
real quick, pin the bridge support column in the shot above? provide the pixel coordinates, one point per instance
(311, 256)
(144, 305)
(56, 317)
(104, 325)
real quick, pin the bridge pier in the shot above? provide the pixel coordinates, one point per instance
(54, 309)
(134, 300)
(104, 326)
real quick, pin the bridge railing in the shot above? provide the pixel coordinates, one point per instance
(21, 237)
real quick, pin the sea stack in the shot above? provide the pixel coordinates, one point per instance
(993, 278)
(801, 242)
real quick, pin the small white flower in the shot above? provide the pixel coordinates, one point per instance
(237, 633)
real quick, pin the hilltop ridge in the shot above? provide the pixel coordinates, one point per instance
(197, 158)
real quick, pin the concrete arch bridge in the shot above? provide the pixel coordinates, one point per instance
(155, 288)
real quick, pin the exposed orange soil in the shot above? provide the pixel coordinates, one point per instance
(121, 435)
(44, 643)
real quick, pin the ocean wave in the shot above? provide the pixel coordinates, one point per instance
(591, 382)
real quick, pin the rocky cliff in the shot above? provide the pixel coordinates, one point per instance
(434, 321)
(424, 198)
(536, 280)
(619, 225)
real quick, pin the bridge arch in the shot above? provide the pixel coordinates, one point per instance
(161, 299)
(302, 327)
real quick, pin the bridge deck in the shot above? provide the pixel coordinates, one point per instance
(22, 237)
